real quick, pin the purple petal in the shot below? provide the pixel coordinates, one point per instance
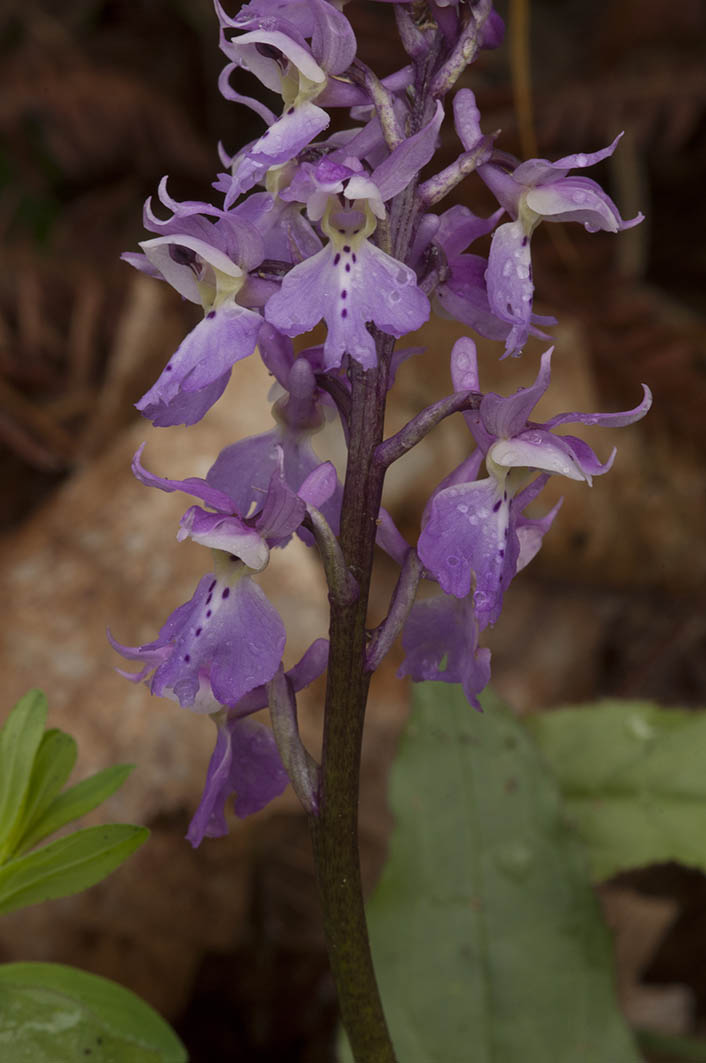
(467, 119)
(231, 628)
(198, 372)
(440, 639)
(319, 485)
(246, 763)
(469, 537)
(405, 162)
(283, 510)
(581, 200)
(332, 41)
(192, 485)
(538, 449)
(243, 470)
(459, 227)
(539, 171)
(349, 288)
(310, 666)
(509, 281)
(464, 365)
(255, 105)
(390, 539)
(505, 417)
(227, 533)
(530, 534)
(607, 420)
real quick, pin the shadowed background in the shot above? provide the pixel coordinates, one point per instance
(98, 100)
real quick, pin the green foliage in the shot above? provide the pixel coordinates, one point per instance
(68, 865)
(486, 935)
(55, 1014)
(34, 766)
(633, 779)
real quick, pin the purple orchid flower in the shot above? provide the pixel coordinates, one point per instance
(463, 294)
(246, 762)
(244, 469)
(533, 191)
(274, 48)
(474, 533)
(207, 263)
(228, 628)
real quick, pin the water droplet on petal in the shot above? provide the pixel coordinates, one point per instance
(462, 507)
(394, 296)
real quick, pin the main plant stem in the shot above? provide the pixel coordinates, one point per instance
(335, 828)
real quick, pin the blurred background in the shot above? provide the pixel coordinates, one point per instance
(98, 100)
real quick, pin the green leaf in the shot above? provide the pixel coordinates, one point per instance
(672, 1047)
(486, 935)
(19, 741)
(52, 766)
(55, 1014)
(633, 777)
(75, 802)
(68, 865)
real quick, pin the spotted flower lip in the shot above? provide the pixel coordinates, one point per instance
(349, 283)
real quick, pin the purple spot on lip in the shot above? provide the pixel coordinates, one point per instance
(168, 368)
(211, 314)
(209, 612)
(348, 267)
(198, 631)
(208, 600)
(226, 592)
(337, 259)
(344, 312)
(497, 505)
(525, 240)
(354, 258)
(502, 553)
(290, 111)
(344, 294)
(187, 658)
(212, 586)
(346, 248)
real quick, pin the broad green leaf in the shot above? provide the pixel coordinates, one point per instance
(68, 865)
(52, 766)
(76, 802)
(19, 741)
(633, 778)
(55, 1014)
(487, 939)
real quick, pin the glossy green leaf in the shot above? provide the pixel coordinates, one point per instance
(55, 1014)
(487, 938)
(52, 766)
(68, 865)
(19, 741)
(75, 802)
(633, 778)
